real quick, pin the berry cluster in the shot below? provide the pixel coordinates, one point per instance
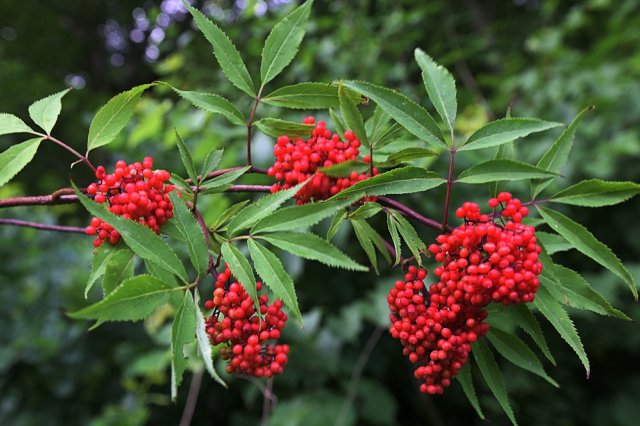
(133, 191)
(488, 258)
(297, 160)
(245, 332)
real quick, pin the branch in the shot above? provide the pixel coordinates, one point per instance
(406, 211)
(192, 399)
(42, 226)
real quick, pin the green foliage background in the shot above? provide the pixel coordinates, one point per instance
(544, 59)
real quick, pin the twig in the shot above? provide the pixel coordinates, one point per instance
(42, 226)
(267, 402)
(82, 158)
(407, 211)
(232, 169)
(192, 399)
(447, 199)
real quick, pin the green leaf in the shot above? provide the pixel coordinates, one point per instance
(310, 246)
(464, 377)
(225, 52)
(283, 42)
(404, 180)
(366, 211)
(229, 213)
(377, 124)
(142, 240)
(160, 273)
(596, 193)
(492, 375)
(181, 183)
(182, 333)
(187, 158)
(338, 122)
(204, 345)
(99, 264)
(395, 238)
(254, 212)
(352, 116)
(192, 233)
(270, 269)
(302, 216)
(560, 320)
(119, 267)
(393, 133)
(345, 168)
(308, 96)
(556, 156)
(553, 243)
(225, 178)
(9, 124)
(113, 117)
(440, 86)
(409, 154)
(587, 244)
(499, 170)
(410, 236)
(241, 269)
(523, 317)
(210, 102)
(132, 300)
(370, 240)
(505, 130)
(504, 152)
(45, 112)
(517, 352)
(409, 114)
(211, 162)
(275, 127)
(336, 222)
(16, 158)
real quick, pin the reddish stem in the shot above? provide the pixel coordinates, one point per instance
(42, 226)
(83, 158)
(407, 211)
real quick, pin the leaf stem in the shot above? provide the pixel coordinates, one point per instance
(83, 158)
(407, 211)
(250, 124)
(450, 181)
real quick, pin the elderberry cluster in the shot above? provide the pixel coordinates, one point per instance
(247, 334)
(133, 191)
(297, 160)
(489, 258)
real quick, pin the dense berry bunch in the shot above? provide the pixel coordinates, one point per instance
(133, 191)
(297, 160)
(491, 257)
(248, 335)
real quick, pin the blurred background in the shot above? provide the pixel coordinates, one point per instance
(545, 59)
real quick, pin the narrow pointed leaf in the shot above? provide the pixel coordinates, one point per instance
(283, 42)
(505, 130)
(410, 154)
(99, 264)
(296, 217)
(351, 115)
(241, 269)
(181, 183)
(270, 269)
(377, 124)
(211, 162)
(366, 211)
(408, 113)
(440, 86)
(466, 381)
(308, 96)
(553, 243)
(498, 170)
(182, 333)
(336, 222)
(210, 102)
(225, 52)
(132, 300)
(190, 229)
(395, 238)
(364, 237)
(410, 236)
(9, 124)
(310, 246)
(523, 317)
(596, 193)
(187, 158)
(45, 112)
(587, 244)
(345, 168)
(113, 117)
(225, 179)
(338, 122)
(275, 127)
(204, 345)
(16, 158)
(119, 268)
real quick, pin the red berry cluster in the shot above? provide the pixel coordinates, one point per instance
(297, 160)
(488, 258)
(234, 321)
(133, 191)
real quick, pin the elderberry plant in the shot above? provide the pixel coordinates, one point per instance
(490, 262)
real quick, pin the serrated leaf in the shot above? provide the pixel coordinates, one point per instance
(404, 180)
(192, 233)
(553, 243)
(517, 352)
(336, 222)
(119, 267)
(225, 179)
(182, 333)
(596, 193)
(225, 52)
(492, 375)
(338, 122)
(275, 127)
(187, 158)
(99, 264)
(45, 112)
(376, 124)
(204, 345)
(558, 317)
(440, 86)
(211, 162)
(464, 377)
(142, 240)
(409, 154)
(241, 269)
(254, 212)
(283, 42)
(366, 211)
(9, 124)
(345, 168)
(296, 217)
(585, 242)
(310, 246)
(132, 300)
(113, 116)
(395, 238)
(558, 153)
(393, 133)
(229, 213)
(308, 96)
(210, 102)
(523, 317)
(504, 152)
(16, 158)
(499, 170)
(410, 236)
(370, 240)
(351, 115)
(160, 273)
(505, 130)
(181, 183)
(270, 269)
(409, 114)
